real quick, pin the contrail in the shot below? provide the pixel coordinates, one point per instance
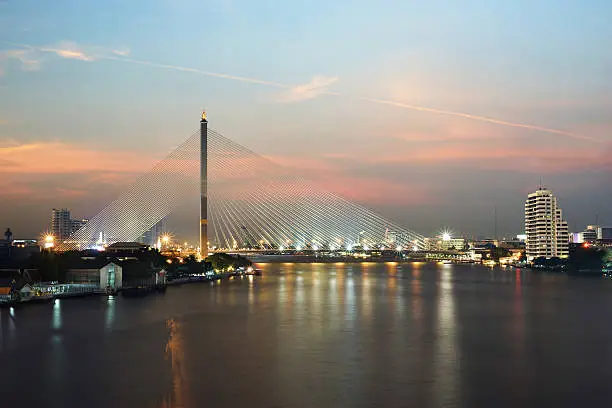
(402, 105)
(365, 98)
(198, 71)
(478, 118)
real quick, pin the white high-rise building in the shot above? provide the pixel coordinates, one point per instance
(547, 232)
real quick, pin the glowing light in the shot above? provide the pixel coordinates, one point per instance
(399, 249)
(49, 238)
(446, 236)
(165, 239)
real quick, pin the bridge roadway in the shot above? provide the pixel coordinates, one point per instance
(340, 256)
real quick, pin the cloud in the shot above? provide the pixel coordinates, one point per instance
(317, 86)
(70, 50)
(549, 159)
(59, 157)
(123, 52)
(29, 59)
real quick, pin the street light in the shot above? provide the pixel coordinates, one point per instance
(49, 241)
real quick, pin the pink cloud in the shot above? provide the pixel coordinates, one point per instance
(377, 190)
(59, 157)
(501, 156)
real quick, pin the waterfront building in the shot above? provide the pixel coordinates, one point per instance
(606, 234)
(100, 272)
(452, 244)
(576, 238)
(153, 234)
(76, 225)
(547, 231)
(11, 289)
(61, 224)
(590, 234)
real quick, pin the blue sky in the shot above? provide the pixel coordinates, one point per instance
(76, 93)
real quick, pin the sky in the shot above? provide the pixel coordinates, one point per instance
(433, 114)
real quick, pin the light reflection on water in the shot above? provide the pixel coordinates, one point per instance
(110, 312)
(321, 335)
(446, 358)
(179, 394)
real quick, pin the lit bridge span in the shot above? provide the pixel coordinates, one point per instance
(252, 203)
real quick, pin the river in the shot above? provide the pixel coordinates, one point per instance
(321, 335)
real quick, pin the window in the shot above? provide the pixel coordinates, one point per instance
(111, 276)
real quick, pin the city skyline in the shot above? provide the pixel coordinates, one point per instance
(384, 116)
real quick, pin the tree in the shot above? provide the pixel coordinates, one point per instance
(221, 261)
(587, 260)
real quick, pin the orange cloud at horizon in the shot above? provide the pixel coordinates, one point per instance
(502, 156)
(58, 157)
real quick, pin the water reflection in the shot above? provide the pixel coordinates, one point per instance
(416, 286)
(462, 341)
(366, 293)
(178, 397)
(110, 312)
(11, 323)
(12, 327)
(519, 317)
(446, 358)
(56, 322)
(350, 314)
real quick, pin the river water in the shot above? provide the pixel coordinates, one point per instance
(321, 335)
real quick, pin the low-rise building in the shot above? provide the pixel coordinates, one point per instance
(15, 288)
(105, 273)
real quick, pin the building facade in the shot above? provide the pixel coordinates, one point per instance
(153, 234)
(61, 224)
(76, 225)
(104, 275)
(546, 230)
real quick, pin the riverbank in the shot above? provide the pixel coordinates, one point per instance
(68, 291)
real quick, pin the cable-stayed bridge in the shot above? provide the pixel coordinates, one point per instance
(252, 203)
